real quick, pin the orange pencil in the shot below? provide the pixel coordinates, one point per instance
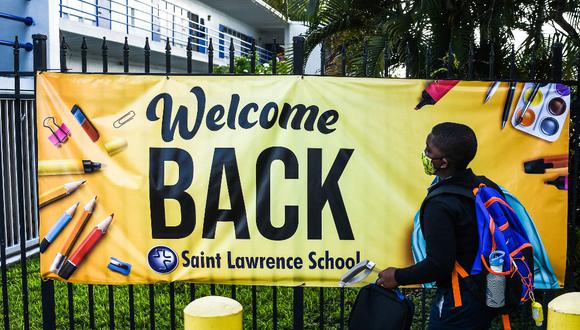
(74, 236)
(58, 193)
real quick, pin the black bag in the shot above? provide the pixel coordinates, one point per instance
(378, 308)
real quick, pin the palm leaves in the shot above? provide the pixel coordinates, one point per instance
(421, 33)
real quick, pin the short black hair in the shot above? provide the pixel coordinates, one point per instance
(457, 142)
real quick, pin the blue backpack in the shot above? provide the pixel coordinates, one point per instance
(499, 229)
(544, 276)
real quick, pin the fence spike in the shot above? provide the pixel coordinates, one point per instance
(491, 62)
(512, 63)
(189, 50)
(428, 61)
(232, 55)
(470, 61)
(343, 55)
(407, 60)
(386, 58)
(366, 59)
(253, 57)
(105, 50)
(84, 55)
(322, 58)
(126, 56)
(210, 56)
(275, 57)
(147, 54)
(557, 49)
(450, 59)
(167, 56)
(63, 52)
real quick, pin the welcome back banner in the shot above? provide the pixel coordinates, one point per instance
(275, 180)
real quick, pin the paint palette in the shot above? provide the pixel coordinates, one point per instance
(547, 113)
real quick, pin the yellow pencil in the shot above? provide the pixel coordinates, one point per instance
(73, 236)
(58, 193)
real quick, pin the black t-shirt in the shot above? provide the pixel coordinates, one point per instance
(449, 227)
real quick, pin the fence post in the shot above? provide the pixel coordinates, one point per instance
(46, 287)
(573, 177)
(189, 49)
(126, 56)
(298, 48)
(557, 61)
(407, 60)
(366, 59)
(322, 58)
(491, 62)
(167, 56)
(105, 55)
(210, 57)
(63, 49)
(343, 57)
(298, 292)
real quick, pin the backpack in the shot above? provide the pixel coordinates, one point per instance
(544, 276)
(377, 308)
(499, 229)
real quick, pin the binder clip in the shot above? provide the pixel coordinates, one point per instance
(61, 134)
(118, 266)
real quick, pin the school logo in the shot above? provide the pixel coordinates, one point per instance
(162, 259)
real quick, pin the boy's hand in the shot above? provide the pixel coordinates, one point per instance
(387, 278)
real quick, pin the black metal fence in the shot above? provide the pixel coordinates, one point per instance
(19, 199)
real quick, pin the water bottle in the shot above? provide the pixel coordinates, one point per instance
(495, 286)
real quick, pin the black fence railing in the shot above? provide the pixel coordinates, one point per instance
(139, 306)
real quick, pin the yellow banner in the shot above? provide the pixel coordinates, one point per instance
(282, 180)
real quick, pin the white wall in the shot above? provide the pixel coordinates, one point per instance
(45, 15)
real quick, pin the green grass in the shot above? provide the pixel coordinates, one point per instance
(182, 298)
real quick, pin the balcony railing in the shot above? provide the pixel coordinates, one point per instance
(160, 21)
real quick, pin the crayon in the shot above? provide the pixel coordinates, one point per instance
(560, 182)
(73, 236)
(508, 104)
(84, 248)
(57, 193)
(85, 123)
(542, 165)
(56, 229)
(435, 91)
(67, 166)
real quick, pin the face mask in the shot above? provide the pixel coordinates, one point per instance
(427, 164)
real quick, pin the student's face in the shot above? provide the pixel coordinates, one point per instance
(436, 155)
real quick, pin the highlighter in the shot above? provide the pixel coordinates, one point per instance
(85, 123)
(435, 91)
(67, 166)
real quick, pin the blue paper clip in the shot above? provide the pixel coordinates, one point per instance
(118, 266)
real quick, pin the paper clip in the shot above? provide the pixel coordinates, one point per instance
(60, 135)
(124, 119)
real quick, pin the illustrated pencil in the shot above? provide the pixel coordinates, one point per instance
(492, 89)
(73, 236)
(59, 192)
(87, 245)
(65, 218)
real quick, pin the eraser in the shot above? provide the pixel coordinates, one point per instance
(115, 146)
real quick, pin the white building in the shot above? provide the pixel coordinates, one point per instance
(179, 21)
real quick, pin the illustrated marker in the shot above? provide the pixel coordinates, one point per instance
(542, 165)
(84, 248)
(67, 166)
(435, 91)
(57, 193)
(73, 236)
(65, 218)
(85, 123)
(560, 182)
